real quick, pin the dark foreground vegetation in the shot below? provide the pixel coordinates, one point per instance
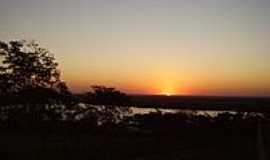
(41, 119)
(151, 137)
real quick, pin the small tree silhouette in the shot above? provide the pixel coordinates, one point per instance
(107, 96)
(109, 102)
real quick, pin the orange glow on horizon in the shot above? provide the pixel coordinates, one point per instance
(163, 83)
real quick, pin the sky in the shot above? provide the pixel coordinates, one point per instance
(185, 47)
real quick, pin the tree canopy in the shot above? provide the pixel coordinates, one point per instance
(107, 95)
(27, 65)
(30, 83)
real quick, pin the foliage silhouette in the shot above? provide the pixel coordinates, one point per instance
(108, 105)
(28, 66)
(30, 84)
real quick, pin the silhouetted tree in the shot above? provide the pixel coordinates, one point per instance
(27, 65)
(30, 80)
(109, 104)
(107, 96)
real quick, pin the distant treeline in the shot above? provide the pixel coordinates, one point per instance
(241, 104)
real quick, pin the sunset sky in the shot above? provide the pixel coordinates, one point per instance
(194, 47)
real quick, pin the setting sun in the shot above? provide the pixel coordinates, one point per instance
(167, 94)
(168, 91)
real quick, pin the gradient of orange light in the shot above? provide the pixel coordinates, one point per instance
(165, 81)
